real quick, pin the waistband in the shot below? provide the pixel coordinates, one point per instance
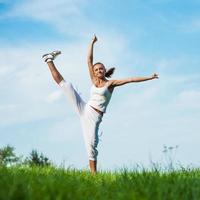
(99, 115)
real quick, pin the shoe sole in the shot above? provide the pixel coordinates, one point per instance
(54, 53)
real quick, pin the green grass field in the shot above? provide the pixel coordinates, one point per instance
(44, 183)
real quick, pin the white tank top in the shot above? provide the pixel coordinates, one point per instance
(99, 97)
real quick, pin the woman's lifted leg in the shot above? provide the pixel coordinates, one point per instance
(48, 58)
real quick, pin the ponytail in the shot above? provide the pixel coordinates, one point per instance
(109, 72)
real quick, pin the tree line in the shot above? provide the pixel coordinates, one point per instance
(9, 158)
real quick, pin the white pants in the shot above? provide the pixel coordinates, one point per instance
(90, 119)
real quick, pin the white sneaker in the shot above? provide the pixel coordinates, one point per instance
(50, 56)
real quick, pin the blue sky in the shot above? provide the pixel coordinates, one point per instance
(138, 38)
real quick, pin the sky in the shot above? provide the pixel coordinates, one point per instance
(138, 37)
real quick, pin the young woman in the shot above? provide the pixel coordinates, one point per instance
(91, 113)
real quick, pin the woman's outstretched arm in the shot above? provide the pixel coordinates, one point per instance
(120, 82)
(90, 57)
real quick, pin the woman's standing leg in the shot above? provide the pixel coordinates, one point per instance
(93, 166)
(90, 122)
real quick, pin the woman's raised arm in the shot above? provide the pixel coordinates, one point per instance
(90, 57)
(120, 82)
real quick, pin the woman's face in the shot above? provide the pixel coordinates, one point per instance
(99, 70)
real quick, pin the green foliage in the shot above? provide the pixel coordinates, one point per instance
(36, 178)
(35, 183)
(36, 159)
(7, 156)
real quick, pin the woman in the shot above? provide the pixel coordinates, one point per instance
(91, 113)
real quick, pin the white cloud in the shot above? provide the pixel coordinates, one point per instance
(66, 16)
(4, 71)
(50, 11)
(54, 96)
(188, 99)
(8, 107)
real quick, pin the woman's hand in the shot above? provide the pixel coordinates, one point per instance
(154, 76)
(94, 39)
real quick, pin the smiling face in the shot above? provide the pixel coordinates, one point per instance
(99, 70)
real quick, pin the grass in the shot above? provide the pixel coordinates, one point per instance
(49, 183)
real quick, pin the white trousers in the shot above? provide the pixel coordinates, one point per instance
(90, 119)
